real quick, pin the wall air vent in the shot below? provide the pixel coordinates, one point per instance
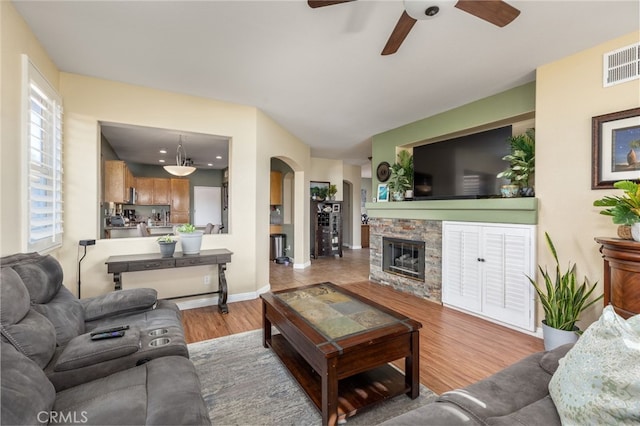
(621, 65)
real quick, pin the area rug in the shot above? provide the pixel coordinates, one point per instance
(246, 384)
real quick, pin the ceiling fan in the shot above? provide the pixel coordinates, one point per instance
(496, 12)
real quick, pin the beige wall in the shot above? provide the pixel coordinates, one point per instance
(88, 101)
(274, 141)
(568, 93)
(15, 39)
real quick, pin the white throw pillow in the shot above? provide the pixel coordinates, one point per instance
(598, 381)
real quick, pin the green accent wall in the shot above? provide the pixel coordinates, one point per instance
(493, 210)
(504, 108)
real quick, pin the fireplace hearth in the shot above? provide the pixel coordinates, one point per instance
(403, 257)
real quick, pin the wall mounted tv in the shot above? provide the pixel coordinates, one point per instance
(463, 167)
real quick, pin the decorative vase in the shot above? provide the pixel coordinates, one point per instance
(397, 195)
(408, 194)
(167, 248)
(191, 242)
(509, 191)
(554, 337)
(635, 231)
(624, 232)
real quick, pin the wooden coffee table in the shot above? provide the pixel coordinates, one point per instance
(338, 346)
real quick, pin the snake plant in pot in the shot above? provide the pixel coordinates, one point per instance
(563, 300)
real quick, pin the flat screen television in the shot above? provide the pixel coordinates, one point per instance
(464, 167)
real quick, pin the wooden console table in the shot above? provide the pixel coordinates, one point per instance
(116, 265)
(621, 275)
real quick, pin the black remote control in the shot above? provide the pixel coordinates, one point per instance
(109, 330)
(107, 335)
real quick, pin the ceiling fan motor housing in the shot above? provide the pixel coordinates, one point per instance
(424, 9)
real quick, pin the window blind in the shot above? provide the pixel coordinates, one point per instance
(44, 192)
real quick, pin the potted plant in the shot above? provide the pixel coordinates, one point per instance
(167, 245)
(522, 160)
(562, 300)
(405, 160)
(401, 177)
(331, 191)
(190, 238)
(398, 182)
(624, 210)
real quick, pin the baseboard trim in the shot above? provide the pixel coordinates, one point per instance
(212, 301)
(302, 265)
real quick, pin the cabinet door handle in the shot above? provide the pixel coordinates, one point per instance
(480, 259)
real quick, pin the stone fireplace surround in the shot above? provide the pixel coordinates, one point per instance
(429, 231)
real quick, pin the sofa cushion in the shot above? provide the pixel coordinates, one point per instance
(164, 391)
(119, 303)
(27, 330)
(42, 275)
(510, 389)
(542, 413)
(66, 314)
(27, 395)
(598, 381)
(436, 413)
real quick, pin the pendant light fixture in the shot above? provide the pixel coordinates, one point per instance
(182, 167)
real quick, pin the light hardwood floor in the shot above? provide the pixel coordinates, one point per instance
(456, 349)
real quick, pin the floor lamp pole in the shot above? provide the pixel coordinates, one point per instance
(83, 243)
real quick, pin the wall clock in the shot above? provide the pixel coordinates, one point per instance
(382, 172)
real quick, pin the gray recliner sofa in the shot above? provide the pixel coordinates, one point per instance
(516, 395)
(50, 364)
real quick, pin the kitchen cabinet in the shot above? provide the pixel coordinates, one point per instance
(180, 200)
(144, 191)
(161, 191)
(153, 191)
(118, 180)
(485, 268)
(276, 188)
(326, 228)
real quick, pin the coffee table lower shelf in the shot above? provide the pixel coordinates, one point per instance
(354, 393)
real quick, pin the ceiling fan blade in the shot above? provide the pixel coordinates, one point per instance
(322, 3)
(496, 12)
(400, 32)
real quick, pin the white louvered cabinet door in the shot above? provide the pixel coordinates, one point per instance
(485, 268)
(460, 268)
(507, 293)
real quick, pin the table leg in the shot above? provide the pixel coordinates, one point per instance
(117, 281)
(330, 394)
(266, 327)
(412, 367)
(222, 282)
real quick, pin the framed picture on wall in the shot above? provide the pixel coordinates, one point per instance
(383, 193)
(615, 148)
(318, 189)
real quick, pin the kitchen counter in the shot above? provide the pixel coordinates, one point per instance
(130, 230)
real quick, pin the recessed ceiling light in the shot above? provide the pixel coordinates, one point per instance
(163, 151)
(218, 157)
(210, 164)
(161, 161)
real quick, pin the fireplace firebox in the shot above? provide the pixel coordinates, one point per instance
(403, 257)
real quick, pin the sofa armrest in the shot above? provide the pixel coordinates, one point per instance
(82, 351)
(119, 302)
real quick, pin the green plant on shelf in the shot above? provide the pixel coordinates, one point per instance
(187, 228)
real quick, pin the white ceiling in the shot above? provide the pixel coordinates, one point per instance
(319, 72)
(143, 144)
